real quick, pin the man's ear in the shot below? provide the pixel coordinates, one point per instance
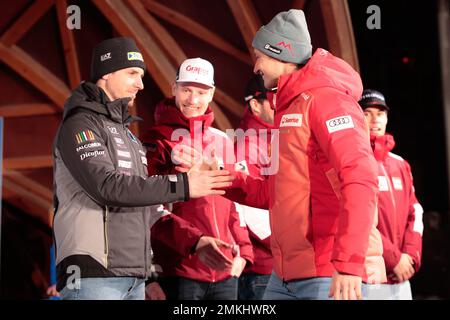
(211, 92)
(105, 76)
(255, 106)
(174, 88)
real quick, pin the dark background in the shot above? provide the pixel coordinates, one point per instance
(402, 60)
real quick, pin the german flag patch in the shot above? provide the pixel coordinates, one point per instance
(84, 136)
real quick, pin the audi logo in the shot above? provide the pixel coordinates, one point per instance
(339, 121)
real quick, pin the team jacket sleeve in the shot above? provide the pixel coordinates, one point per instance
(176, 233)
(248, 190)
(412, 242)
(158, 157)
(98, 176)
(240, 235)
(391, 254)
(338, 125)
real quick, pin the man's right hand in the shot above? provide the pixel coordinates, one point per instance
(208, 250)
(345, 287)
(204, 183)
(404, 269)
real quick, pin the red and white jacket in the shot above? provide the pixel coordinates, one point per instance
(322, 200)
(214, 216)
(253, 145)
(399, 212)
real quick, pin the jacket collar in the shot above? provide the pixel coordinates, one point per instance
(322, 70)
(167, 113)
(90, 96)
(382, 145)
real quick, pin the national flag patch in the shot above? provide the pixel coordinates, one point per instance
(83, 136)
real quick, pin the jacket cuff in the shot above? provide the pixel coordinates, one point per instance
(185, 179)
(352, 268)
(246, 252)
(391, 259)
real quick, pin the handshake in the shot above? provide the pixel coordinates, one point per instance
(205, 175)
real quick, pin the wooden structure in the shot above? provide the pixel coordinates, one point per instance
(41, 60)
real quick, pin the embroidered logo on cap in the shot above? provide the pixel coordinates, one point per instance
(272, 48)
(135, 56)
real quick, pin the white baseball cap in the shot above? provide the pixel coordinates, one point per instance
(196, 70)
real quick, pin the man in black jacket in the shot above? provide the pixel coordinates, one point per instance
(105, 203)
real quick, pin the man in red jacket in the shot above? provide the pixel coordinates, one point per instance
(322, 199)
(186, 119)
(253, 157)
(399, 212)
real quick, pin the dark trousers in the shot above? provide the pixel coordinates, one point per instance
(178, 288)
(252, 286)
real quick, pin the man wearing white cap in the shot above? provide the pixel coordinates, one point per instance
(322, 200)
(186, 119)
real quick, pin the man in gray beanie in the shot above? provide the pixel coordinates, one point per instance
(105, 203)
(322, 200)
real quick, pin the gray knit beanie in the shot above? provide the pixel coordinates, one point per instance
(285, 38)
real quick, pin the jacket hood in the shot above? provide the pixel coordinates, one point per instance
(167, 113)
(382, 145)
(90, 96)
(322, 70)
(250, 121)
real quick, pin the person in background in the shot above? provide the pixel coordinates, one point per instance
(188, 116)
(253, 157)
(399, 212)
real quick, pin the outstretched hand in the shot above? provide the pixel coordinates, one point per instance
(208, 250)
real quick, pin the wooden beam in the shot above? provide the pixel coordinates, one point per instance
(25, 22)
(35, 73)
(298, 4)
(339, 30)
(196, 30)
(229, 103)
(28, 184)
(161, 35)
(28, 201)
(70, 51)
(28, 109)
(247, 19)
(33, 162)
(174, 51)
(28, 195)
(127, 24)
(220, 118)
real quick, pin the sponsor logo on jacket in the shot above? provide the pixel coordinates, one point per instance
(339, 123)
(397, 182)
(83, 136)
(89, 145)
(291, 120)
(92, 154)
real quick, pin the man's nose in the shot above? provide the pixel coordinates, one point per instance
(193, 99)
(140, 83)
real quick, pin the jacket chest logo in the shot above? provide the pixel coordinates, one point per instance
(291, 120)
(113, 130)
(383, 184)
(397, 182)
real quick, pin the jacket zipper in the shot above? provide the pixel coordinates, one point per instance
(105, 233)
(392, 199)
(217, 230)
